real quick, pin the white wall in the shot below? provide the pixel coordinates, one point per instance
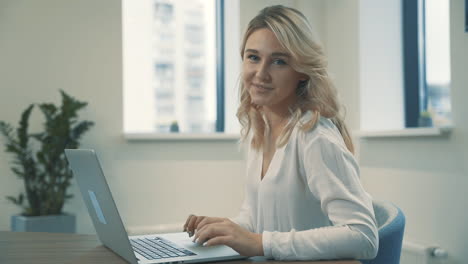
(342, 45)
(381, 65)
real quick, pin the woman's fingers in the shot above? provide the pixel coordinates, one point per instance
(187, 222)
(192, 224)
(195, 223)
(226, 232)
(207, 220)
(210, 231)
(199, 220)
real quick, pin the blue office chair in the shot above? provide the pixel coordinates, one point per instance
(391, 226)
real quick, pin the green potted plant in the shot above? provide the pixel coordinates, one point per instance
(39, 160)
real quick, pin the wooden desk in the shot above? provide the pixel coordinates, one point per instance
(51, 248)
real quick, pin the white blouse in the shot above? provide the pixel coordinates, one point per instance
(310, 204)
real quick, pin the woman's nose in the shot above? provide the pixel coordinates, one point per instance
(262, 72)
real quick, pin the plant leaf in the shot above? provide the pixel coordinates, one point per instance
(45, 172)
(80, 129)
(70, 105)
(22, 131)
(12, 199)
(49, 111)
(18, 172)
(21, 198)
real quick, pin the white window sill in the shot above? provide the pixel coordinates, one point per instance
(407, 132)
(181, 137)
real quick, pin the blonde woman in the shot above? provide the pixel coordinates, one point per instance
(304, 199)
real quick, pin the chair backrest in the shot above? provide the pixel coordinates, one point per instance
(391, 226)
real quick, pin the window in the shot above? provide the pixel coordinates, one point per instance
(426, 63)
(173, 66)
(404, 65)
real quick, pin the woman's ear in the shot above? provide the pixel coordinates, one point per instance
(304, 77)
(302, 83)
(301, 87)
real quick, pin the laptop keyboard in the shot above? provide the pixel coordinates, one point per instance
(158, 248)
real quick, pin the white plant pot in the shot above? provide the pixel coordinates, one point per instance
(64, 223)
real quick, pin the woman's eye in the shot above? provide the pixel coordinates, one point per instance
(253, 57)
(279, 62)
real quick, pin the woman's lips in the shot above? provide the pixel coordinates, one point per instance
(261, 88)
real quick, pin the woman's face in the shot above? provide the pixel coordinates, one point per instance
(267, 74)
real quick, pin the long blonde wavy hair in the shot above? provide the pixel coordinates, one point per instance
(317, 94)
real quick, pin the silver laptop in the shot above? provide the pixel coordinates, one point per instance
(151, 248)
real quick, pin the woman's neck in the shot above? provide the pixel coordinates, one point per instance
(276, 119)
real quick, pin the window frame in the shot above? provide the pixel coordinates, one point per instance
(220, 103)
(415, 88)
(226, 72)
(466, 16)
(385, 95)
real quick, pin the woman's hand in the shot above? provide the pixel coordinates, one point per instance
(225, 232)
(196, 222)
